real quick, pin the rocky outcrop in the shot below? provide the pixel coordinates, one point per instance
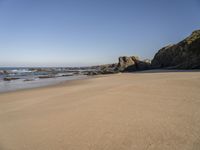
(129, 64)
(184, 55)
(125, 64)
(103, 69)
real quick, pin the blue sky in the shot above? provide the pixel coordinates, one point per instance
(90, 32)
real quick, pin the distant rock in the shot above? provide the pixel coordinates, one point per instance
(184, 55)
(47, 70)
(3, 72)
(10, 78)
(46, 76)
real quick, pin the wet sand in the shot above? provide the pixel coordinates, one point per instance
(130, 111)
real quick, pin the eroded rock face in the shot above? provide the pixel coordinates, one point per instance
(129, 64)
(184, 55)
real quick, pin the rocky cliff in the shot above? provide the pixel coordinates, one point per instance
(183, 55)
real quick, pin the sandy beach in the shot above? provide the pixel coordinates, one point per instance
(126, 111)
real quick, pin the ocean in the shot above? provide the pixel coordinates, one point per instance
(16, 78)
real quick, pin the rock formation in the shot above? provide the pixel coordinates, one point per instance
(125, 64)
(129, 64)
(184, 55)
(102, 69)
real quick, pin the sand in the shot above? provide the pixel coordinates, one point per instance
(130, 111)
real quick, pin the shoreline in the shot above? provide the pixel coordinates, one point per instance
(46, 84)
(71, 82)
(57, 85)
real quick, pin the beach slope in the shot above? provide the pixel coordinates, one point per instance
(141, 111)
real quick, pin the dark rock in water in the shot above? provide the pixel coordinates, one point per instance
(10, 79)
(129, 64)
(46, 76)
(184, 55)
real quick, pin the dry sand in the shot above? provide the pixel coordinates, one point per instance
(140, 111)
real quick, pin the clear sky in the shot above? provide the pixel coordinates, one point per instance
(90, 32)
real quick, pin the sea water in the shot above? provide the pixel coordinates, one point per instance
(24, 78)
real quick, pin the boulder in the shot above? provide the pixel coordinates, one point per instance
(129, 64)
(10, 78)
(183, 55)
